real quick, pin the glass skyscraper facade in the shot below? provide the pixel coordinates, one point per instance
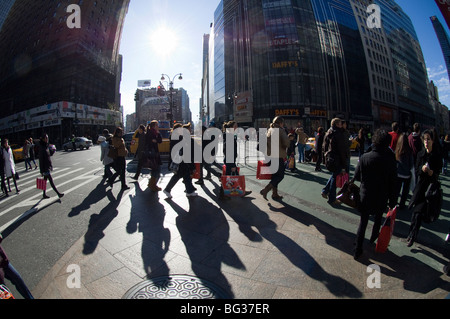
(444, 41)
(311, 61)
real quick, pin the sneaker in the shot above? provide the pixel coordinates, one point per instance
(193, 194)
(167, 194)
(199, 182)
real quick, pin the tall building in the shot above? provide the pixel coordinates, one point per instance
(56, 77)
(444, 41)
(310, 61)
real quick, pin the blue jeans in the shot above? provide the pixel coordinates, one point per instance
(301, 152)
(330, 187)
(12, 275)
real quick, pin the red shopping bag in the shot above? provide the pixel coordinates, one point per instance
(386, 231)
(41, 184)
(233, 185)
(263, 171)
(341, 179)
(197, 172)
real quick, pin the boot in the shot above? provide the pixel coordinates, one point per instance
(275, 195)
(152, 185)
(267, 189)
(158, 189)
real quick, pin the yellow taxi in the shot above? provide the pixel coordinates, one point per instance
(17, 152)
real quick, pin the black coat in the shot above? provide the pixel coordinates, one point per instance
(45, 162)
(434, 160)
(377, 171)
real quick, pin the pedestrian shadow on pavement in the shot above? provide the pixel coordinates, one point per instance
(404, 268)
(99, 222)
(147, 217)
(206, 252)
(252, 216)
(96, 195)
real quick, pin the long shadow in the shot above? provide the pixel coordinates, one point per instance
(96, 195)
(428, 280)
(26, 216)
(205, 252)
(99, 222)
(252, 216)
(147, 216)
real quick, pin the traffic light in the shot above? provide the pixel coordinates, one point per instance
(160, 91)
(136, 96)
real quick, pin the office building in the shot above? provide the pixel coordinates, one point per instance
(56, 77)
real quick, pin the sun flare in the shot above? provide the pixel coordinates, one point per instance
(163, 41)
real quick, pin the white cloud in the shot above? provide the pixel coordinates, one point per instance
(440, 77)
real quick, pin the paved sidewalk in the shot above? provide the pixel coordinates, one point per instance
(247, 248)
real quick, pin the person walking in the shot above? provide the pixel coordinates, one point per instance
(395, 133)
(26, 154)
(415, 141)
(377, 171)
(32, 153)
(290, 152)
(361, 139)
(45, 164)
(153, 139)
(348, 139)
(405, 163)
(428, 166)
(319, 148)
(302, 138)
(204, 164)
(2, 172)
(9, 165)
(120, 161)
(185, 168)
(108, 162)
(335, 152)
(276, 129)
(141, 151)
(9, 272)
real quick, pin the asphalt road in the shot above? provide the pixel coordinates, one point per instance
(38, 232)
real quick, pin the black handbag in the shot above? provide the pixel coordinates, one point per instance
(349, 194)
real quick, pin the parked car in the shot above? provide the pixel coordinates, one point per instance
(80, 143)
(17, 152)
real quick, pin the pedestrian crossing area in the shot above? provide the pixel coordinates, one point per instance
(29, 199)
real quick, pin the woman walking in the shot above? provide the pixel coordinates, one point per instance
(428, 167)
(405, 163)
(119, 161)
(276, 129)
(152, 139)
(377, 172)
(45, 164)
(319, 148)
(10, 167)
(184, 169)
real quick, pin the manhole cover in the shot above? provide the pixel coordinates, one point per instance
(176, 287)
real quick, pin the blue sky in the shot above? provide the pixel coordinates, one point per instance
(185, 22)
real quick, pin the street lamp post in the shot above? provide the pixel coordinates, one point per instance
(171, 93)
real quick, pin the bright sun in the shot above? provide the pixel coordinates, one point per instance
(163, 41)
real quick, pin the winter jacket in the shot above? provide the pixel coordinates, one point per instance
(377, 171)
(416, 144)
(283, 141)
(3, 262)
(151, 146)
(8, 158)
(119, 144)
(336, 146)
(45, 162)
(434, 160)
